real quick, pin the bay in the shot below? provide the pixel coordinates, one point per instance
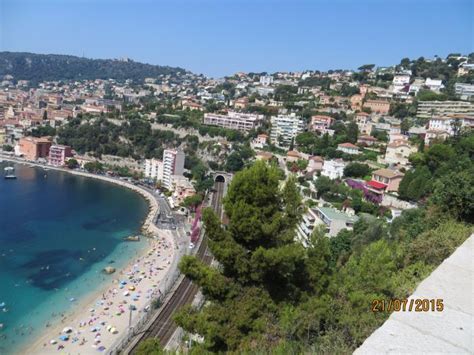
(57, 232)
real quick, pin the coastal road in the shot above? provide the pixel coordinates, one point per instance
(163, 326)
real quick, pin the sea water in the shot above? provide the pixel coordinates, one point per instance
(57, 233)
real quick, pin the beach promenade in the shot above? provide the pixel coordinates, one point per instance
(102, 320)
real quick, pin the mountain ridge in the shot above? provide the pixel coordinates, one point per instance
(53, 67)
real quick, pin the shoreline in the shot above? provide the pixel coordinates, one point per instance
(161, 245)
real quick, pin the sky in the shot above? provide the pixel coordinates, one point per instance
(222, 37)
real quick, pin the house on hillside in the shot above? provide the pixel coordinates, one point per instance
(385, 180)
(366, 140)
(348, 148)
(398, 152)
(333, 169)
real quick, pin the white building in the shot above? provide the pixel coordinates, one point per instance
(306, 227)
(400, 81)
(464, 91)
(263, 90)
(465, 68)
(333, 220)
(333, 169)
(417, 85)
(234, 120)
(173, 164)
(348, 148)
(447, 124)
(285, 128)
(260, 141)
(266, 80)
(154, 169)
(434, 84)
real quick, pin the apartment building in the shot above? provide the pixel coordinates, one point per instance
(306, 227)
(59, 154)
(234, 120)
(464, 91)
(266, 80)
(285, 128)
(334, 220)
(448, 124)
(173, 164)
(34, 148)
(154, 169)
(429, 109)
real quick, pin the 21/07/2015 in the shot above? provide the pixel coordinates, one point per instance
(408, 305)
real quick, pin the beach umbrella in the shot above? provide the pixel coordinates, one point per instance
(109, 327)
(53, 341)
(67, 330)
(101, 348)
(126, 293)
(64, 337)
(114, 330)
(131, 288)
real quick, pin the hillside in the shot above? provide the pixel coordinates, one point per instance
(50, 67)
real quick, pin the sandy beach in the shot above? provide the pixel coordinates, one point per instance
(99, 321)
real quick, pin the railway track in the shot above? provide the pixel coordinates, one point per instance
(163, 327)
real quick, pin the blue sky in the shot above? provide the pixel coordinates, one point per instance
(221, 37)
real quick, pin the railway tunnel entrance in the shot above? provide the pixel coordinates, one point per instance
(219, 178)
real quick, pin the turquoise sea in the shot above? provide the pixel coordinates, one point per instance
(57, 232)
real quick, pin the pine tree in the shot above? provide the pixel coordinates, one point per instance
(260, 264)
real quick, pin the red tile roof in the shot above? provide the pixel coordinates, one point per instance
(376, 184)
(348, 145)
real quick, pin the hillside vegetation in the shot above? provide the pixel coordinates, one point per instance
(270, 295)
(52, 67)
